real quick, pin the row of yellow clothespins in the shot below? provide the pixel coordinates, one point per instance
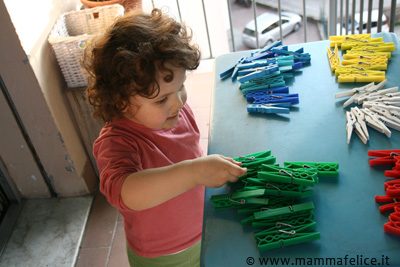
(365, 59)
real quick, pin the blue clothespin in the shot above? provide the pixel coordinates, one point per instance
(259, 72)
(265, 52)
(229, 71)
(280, 90)
(273, 82)
(269, 108)
(302, 57)
(277, 98)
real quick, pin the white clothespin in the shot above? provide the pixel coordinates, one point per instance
(376, 92)
(387, 114)
(353, 93)
(360, 119)
(385, 97)
(353, 124)
(369, 104)
(374, 121)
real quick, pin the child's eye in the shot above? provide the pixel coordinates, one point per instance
(162, 101)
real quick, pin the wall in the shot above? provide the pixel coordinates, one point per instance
(36, 87)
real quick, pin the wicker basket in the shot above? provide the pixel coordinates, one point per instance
(71, 33)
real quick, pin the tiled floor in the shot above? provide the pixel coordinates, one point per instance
(103, 242)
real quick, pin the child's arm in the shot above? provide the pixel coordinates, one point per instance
(151, 187)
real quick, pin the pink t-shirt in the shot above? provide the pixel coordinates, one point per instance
(124, 147)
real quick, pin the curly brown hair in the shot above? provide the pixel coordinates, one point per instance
(124, 61)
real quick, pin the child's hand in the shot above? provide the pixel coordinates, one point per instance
(216, 170)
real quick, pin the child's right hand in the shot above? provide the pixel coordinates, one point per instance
(216, 170)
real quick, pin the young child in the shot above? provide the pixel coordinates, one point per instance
(148, 153)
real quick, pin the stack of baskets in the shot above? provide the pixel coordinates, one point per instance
(72, 32)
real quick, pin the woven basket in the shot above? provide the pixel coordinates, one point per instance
(72, 32)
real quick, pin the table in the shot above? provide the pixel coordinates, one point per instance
(346, 213)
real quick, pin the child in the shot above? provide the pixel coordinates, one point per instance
(148, 153)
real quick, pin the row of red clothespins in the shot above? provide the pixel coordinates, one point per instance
(392, 187)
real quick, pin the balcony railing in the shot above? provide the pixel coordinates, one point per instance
(336, 17)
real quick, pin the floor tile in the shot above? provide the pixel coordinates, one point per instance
(92, 257)
(118, 256)
(47, 232)
(101, 224)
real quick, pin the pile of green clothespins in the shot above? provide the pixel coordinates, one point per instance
(268, 197)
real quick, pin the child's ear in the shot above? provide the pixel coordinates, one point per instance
(123, 106)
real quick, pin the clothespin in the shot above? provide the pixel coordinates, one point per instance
(302, 57)
(258, 72)
(360, 92)
(371, 42)
(354, 70)
(334, 59)
(259, 82)
(273, 82)
(359, 77)
(339, 39)
(392, 227)
(284, 234)
(265, 52)
(353, 124)
(325, 169)
(368, 52)
(257, 93)
(363, 57)
(269, 108)
(232, 70)
(387, 47)
(375, 121)
(253, 161)
(279, 189)
(273, 203)
(384, 157)
(379, 64)
(391, 206)
(276, 98)
(392, 188)
(360, 119)
(287, 175)
(303, 208)
(239, 199)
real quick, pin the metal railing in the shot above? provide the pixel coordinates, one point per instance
(344, 17)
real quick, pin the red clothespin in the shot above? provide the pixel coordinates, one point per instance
(381, 199)
(392, 188)
(390, 206)
(392, 228)
(395, 172)
(385, 157)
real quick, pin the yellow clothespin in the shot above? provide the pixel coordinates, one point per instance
(367, 52)
(361, 57)
(348, 44)
(359, 77)
(343, 38)
(334, 59)
(366, 62)
(353, 69)
(386, 47)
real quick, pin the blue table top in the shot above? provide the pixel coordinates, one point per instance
(346, 213)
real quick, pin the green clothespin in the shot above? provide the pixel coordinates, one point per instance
(286, 235)
(273, 203)
(260, 218)
(239, 199)
(297, 208)
(325, 169)
(287, 175)
(296, 219)
(253, 161)
(279, 189)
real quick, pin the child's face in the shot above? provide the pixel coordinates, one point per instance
(163, 110)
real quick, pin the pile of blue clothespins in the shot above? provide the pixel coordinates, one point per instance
(262, 77)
